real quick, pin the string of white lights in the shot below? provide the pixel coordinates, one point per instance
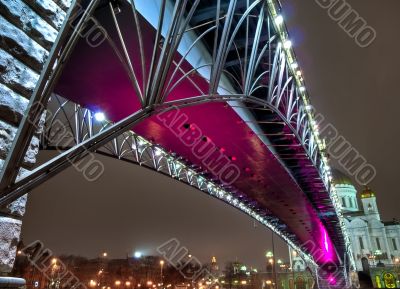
(325, 170)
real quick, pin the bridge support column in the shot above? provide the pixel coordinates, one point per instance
(10, 230)
(28, 30)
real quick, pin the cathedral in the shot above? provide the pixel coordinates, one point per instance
(375, 242)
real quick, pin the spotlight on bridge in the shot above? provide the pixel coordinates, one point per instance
(294, 65)
(99, 116)
(302, 88)
(278, 20)
(287, 44)
(158, 152)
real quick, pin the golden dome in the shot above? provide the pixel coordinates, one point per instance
(367, 193)
(341, 178)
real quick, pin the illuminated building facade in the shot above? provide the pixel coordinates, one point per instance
(375, 242)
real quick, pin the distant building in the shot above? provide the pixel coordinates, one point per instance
(374, 242)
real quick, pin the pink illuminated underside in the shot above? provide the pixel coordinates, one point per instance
(95, 78)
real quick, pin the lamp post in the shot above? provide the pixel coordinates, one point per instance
(271, 262)
(161, 270)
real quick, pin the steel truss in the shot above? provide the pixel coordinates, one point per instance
(248, 63)
(69, 124)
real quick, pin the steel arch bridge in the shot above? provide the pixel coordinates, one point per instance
(208, 92)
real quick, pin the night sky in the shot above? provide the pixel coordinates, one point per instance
(131, 208)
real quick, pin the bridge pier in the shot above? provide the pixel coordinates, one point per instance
(26, 42)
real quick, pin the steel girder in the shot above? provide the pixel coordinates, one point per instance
(250, 61)
(69, 124)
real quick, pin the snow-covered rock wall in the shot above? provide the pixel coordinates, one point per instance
(28, 29)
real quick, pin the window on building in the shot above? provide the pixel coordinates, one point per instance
(369, 207)
(344, 201)
(361, 243)
(378, 244)
(351, 203)
(394, 244)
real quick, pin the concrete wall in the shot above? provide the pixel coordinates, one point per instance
(28, 30)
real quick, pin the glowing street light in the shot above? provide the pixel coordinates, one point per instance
(99, 116)
(105, 254)
(137, 254)
(117, 283)
(161, 270)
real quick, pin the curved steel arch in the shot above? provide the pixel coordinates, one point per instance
(233, 71)
(78, 125)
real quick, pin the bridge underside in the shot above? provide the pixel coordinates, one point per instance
(233, 84)
(278, 175)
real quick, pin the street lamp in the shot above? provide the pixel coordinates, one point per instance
(137, 254)
(161, 270)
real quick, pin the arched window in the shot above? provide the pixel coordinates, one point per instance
(360, 239)
(343, 201)
(300, 283)
(351, 203)
(370, 208)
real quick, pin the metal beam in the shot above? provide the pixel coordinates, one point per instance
(41, 94)
(64, 160)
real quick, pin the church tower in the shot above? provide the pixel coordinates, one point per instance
(370, 206)
(346, 191)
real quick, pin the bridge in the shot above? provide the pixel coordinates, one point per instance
(208, 92)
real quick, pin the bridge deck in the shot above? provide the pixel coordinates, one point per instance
(95, 78)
